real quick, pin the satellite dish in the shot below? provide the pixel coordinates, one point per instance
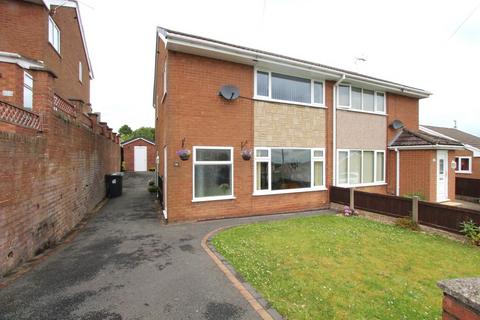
(229, 92)
(397, 124)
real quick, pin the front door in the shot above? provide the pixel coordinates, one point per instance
(140, 158)
(442, 175)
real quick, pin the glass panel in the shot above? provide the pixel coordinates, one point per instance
(291, 88)
(213, 180)
(380, 166)
(380, 102)
(262, 153)
(291, 169)
(441, 166)
(368, 166)
(318, 92)
(28, 80)
(27, 98)
(344, 95)
(465, 164)
(355, 176)
(262, 176)
(356, 98)
(213, 155)
(318, 153)
(343, 167)
(262, 83)
(318, 173)
(368, 100)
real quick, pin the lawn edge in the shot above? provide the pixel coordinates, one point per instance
(255, 299)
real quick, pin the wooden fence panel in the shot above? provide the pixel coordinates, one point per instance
(445, 217)
(467, 187)
(384, 204)
(340, 195)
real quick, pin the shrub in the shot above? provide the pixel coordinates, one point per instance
(471, 231)
(407, 223)
(151, 183)
(152, 189)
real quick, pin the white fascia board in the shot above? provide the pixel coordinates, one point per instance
(136, 139)
(435, 133)
(426, 147)
(25, 63)
(178, 42)
(475, 151)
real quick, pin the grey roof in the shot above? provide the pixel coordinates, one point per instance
(290, 58)
(461, 136)
(419, 138)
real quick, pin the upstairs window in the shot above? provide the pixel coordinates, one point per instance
(463, 164)
(27, 91)
(53, 34)
(356, 98)
(287, 88)
(80, 71)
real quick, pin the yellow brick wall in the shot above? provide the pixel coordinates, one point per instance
(285, 125)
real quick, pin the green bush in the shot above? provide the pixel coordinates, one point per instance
(152, 189)
(471, 231)
(151, 183)
(407, 223)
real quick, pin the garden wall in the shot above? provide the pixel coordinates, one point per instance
(49, 181)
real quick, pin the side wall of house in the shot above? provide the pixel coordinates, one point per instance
(129, 155)
(49, 180)
(418, 173)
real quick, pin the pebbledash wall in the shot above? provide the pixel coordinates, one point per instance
(50, 180)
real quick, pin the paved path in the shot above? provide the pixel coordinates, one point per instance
(126, 265)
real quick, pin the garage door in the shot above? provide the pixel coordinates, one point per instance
(140, 158)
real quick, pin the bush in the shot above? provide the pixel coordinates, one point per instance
(407, 223)
(152, 189)
(471, 231)
(151, 183)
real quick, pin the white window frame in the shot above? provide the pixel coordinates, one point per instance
(375, 107)
(54, 34)
(268, 159)
(375, 182)
(458, 170)
(270, 99)
(195, 162)
(80, 71)
(27, 88)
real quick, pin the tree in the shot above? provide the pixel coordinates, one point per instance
(126, 133)
(125, 129)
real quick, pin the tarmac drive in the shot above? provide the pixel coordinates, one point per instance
(126, 265)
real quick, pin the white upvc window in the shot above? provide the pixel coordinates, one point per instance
(27, 90)
(287, 170)
(463, 164)
(212, 173)
(53, 34)
(80, 71)
(278, 87)
(360, 167)
(360, 99)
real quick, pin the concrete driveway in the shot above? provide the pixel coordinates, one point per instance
(125, 265)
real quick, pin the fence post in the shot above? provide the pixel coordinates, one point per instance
(415, 209)
(352, 199)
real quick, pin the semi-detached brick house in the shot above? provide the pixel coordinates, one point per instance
(310, 126)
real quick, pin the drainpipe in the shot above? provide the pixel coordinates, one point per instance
(397, 189)
(335, 102)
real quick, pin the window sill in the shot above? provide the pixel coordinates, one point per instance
(266, 99)
(376, 184)
(464, 172)
(362, 111)
(272, 193)
(220, 198)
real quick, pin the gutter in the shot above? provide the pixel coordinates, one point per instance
(427, 147)
(335, 102)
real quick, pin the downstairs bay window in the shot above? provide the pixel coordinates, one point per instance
(285, 170)
(361, 167)
(212, 173)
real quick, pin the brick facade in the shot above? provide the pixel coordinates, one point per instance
(128, 154)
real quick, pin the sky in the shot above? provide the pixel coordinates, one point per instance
(432, 45)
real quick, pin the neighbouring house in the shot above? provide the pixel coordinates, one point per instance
(467, 160)
(268, 133)
(139, 155)
(54, 152)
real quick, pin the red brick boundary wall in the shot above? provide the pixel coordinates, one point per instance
(461, 299)
(50, 179)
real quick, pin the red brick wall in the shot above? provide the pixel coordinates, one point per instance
(195, 111)
(11, 79)
(48, 180)
(418, 173)
(404, 109)
(128, 155)
(454, 309)
(25, 31)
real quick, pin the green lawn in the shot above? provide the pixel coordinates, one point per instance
(331, 267)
